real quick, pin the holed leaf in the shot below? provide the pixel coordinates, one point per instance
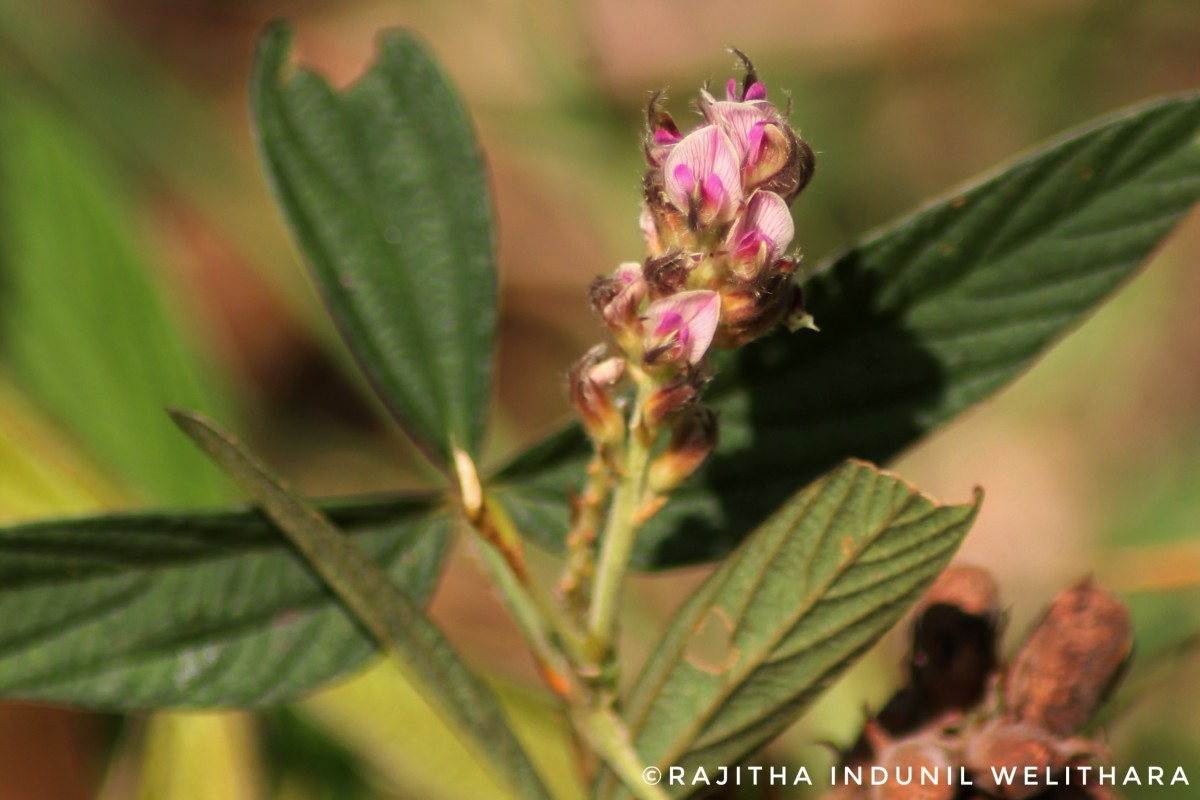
(787, 612)
(204, 609)
(919, 322)
(383, 185)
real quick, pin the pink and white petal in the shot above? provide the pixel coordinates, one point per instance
(696, 312)
(727, 166)
(736, 120)
(768, 214)
(688, 164)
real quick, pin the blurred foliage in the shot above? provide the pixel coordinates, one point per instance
(124, 147)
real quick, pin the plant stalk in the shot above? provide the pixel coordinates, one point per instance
(610, 738)
(619, 535)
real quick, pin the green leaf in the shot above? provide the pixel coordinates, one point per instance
(196, 610)
(393, 618)
(919, 322)
(383, 185)
(84, 329)
(785, 614)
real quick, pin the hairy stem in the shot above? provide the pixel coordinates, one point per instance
(619, 534)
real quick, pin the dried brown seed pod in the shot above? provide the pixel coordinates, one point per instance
(954, 640)
(920, 767)
(1070, 661)
(1011, 759)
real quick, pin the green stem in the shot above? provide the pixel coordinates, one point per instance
(523, 608)
(610, 738)
(619, 535)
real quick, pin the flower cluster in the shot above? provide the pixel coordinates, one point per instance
(717, 270)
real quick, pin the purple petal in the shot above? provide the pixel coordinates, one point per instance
(670, 322)
(713, 197)
(757, 91)
(663, 137)
(731, 90)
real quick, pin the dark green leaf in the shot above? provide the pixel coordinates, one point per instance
(384, 188)
(195, 610)
(83, 327)
(393, 618)
(920, 322)
(787, 612)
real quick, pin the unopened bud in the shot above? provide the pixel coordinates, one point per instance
(749, 312)
(784, 163)
(661, 132)
(664, 227)
(591, 383)
(617, 298)
(672, 399)
(667, 274)
(1071, 660)
(693, 437)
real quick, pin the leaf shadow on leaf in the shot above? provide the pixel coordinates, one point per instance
(785, 416)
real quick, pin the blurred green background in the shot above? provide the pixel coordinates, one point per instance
(142, 263)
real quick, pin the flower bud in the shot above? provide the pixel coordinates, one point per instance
(661, 132)
(667, 274)
(673, 398)
(750, 311)
(779, 161)
(591, 382)
(693, 436)
(617, 298)
(664, 227)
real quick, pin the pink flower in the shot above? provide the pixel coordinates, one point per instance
(761, 234)
(771, 154)
(702, 177)
(681, 327)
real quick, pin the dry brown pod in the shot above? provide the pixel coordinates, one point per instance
(1070, 661)
(920, 767)
(1002, 755)
(954, 640)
